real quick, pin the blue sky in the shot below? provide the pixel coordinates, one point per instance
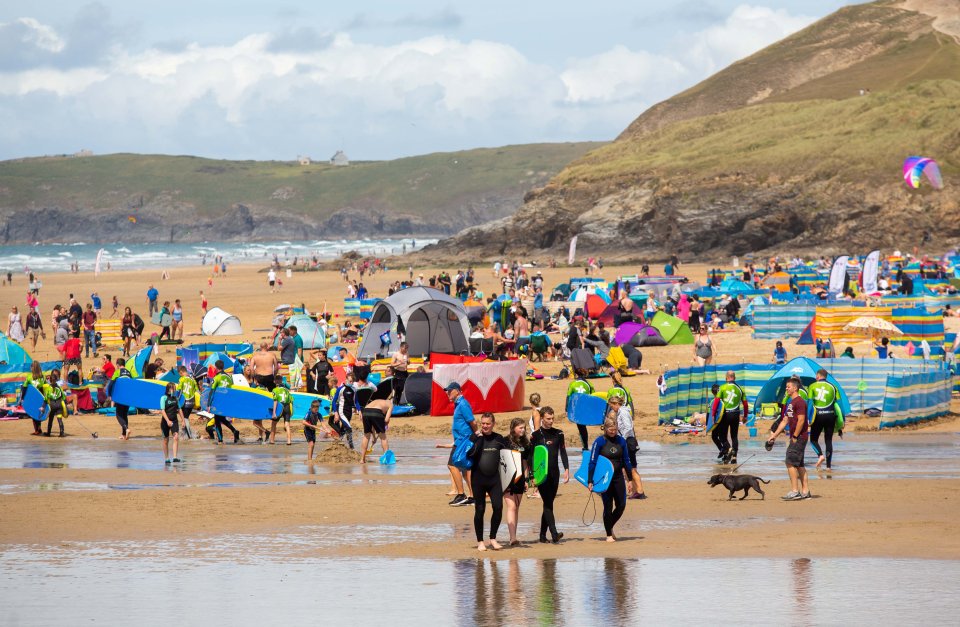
(258, 80)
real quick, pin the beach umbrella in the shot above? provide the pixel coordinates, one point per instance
(868, 325)
(282, 307)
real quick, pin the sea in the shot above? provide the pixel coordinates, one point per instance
(41, 258)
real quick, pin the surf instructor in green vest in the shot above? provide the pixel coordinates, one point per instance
(827, 416)
(222, 380)
(733, 411)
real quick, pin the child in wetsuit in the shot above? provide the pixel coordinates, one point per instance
(170, 417)
(56, 402)
(311, 424)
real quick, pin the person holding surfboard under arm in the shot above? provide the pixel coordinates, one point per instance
(513, 495)
(546, 472)
(187, 386)
(485, 480)
(222, 379)
(614, 447)
(580, 385)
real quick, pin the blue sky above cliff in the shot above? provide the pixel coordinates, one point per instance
(257, 80)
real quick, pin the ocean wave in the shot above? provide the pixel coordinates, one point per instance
(123, 249)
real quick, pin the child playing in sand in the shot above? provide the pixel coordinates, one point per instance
(312, 424)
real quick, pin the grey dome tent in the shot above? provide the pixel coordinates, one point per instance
(430, 321)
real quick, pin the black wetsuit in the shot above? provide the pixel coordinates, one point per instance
(615, 498)
(485, 479)
(170, 407)
(824, 421)
(556, 448)
(122, 410)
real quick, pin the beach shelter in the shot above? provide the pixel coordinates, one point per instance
(609, 316)
(309, 331)
(803, 367)
(647, 336)
(431, 322)
(218, 322)
(476, 311)
(595, 305)
(12, 353)
(672, 329)
(626, 331)
(808, 335)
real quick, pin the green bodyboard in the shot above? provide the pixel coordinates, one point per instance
(540, 456)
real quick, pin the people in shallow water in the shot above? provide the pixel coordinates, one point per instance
(485, 480)
(614, 447)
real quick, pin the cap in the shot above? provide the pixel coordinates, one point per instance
(453, 385)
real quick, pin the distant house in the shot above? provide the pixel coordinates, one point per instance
(339, 159)
(83, 153)
(303, 160)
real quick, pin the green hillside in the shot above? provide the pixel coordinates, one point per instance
(862, 139)
(415, 185)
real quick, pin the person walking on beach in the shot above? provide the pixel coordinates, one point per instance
(400, 364)
(282, 400)
(288, 348)
(188, 387)
(152, 296)
(553, 439)
(127, 331)
(170, 417)
(485, 480)
(222, 380)
(116, 307)
(464, 426)
(56, 402)
(827, 417)
(122, 410)
(265, 367)
(614, 447)
(14, 326)
(342, 406)
(376, 420)
(177, 313)
(203, 306)
(272, 280)
(35, 327)
(625, 428)
(732, 400)
(311, 424)
(89, 331)
(795, 419)
(703, 350)
(513, 497)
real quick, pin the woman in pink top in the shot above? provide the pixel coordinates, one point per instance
(683, 308)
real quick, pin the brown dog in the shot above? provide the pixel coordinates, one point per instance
(735, 483)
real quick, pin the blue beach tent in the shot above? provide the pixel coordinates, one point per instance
(803, 367)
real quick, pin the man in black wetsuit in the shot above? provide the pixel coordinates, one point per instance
(485, 480)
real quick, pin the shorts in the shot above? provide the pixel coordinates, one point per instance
(310, 434)
(33, 334)
(795, 449)
(166, 430)
(632, 447)
(374, 421)
(272, 283)
(266, 381)
(285, 414)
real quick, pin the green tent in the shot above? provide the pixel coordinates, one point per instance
(673, 329)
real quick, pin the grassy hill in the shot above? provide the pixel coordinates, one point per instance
(417, 185)
(777, 152)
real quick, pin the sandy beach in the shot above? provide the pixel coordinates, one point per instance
(883, 516)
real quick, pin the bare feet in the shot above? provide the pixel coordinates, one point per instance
(611, 539)
(495, 545)
(481, 546)
(820, 461)
(514, 543)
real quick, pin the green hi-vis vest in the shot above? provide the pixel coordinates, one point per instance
(731, 396)
(822, 394)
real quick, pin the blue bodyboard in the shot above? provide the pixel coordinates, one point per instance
(602, 474)
(587, 409)
(34, 404)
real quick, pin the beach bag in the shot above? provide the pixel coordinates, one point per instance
(461, 452)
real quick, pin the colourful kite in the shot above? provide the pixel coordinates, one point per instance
(914, 167)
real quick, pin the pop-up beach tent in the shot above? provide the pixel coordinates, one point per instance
(219, 322)
(430, 321)
(309, 331)
(804, 368)
(12, 353)
(672, 329)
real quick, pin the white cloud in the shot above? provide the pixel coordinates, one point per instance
(747, 30)
(254, 98)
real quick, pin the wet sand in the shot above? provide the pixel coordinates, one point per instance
(886, 517)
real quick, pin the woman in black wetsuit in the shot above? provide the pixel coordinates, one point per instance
(612, 446)
(485, 480)
(513, 497)
(553, 440)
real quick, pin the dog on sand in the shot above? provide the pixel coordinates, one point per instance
(735, 483)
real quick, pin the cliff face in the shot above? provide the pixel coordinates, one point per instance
(777, 153)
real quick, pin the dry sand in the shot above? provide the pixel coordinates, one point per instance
(851, 517)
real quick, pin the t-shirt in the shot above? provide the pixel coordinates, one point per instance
(89, 319)
(298, 341)
(463, 419)
(796, 415)
(188, 386)
(271, 276)
(288, 350)
(108, 369)
(152, 294)
(881, 351)
(222, 380)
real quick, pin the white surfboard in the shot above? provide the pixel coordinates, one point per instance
(508, 467)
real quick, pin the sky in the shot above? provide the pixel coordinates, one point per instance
(240, 79)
